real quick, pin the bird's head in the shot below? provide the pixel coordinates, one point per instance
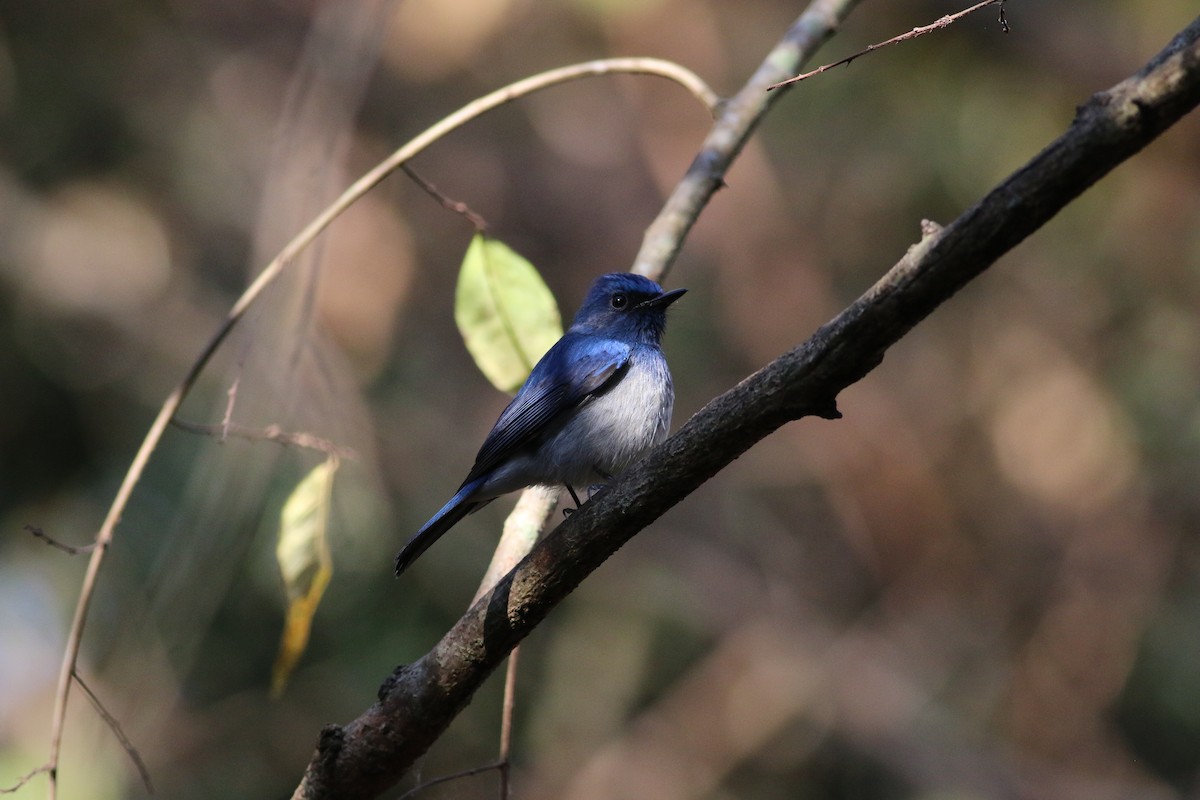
(626, 306)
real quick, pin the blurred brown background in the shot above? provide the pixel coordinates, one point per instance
(983, 582)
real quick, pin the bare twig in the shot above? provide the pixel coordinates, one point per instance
(454, 776)
(73, 550)
(457, 206)
(26, 778)
(469, 112)
(944, 22)
(506, 718)
(115, 727)
(271, 433)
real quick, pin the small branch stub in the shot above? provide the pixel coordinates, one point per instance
(73, 550)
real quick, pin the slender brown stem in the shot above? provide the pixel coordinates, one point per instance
(73, 550)
(24, 779)
(115, 727)
(271, 433)
(454, 776)
(936, 25)
(457, 206)
(506, 720)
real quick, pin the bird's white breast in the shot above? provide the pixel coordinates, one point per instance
(604, 436)
(616, 428)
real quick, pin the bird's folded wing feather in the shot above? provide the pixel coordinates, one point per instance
(575, 369)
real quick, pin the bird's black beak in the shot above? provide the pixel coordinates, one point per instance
(663, 300)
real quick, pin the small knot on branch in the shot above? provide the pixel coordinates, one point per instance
(457, 206)
(332, 738)
(389, 683)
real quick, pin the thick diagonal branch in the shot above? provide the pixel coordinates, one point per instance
(420, 699)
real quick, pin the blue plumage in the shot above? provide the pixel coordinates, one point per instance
(600, 398)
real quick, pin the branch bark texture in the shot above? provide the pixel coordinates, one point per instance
(415, 705)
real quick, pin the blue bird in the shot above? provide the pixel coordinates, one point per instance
(599, 399)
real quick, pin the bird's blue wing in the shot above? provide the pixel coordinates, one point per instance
(573, 370)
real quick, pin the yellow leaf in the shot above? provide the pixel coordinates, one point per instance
(302, 552)
(505, 312)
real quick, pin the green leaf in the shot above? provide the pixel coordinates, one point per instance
(305, 563)
(505, 312)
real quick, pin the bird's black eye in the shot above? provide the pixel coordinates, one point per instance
(620, 300)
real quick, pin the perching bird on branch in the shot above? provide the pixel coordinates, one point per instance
(599, 399)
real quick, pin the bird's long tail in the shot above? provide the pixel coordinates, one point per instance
(458, 507)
